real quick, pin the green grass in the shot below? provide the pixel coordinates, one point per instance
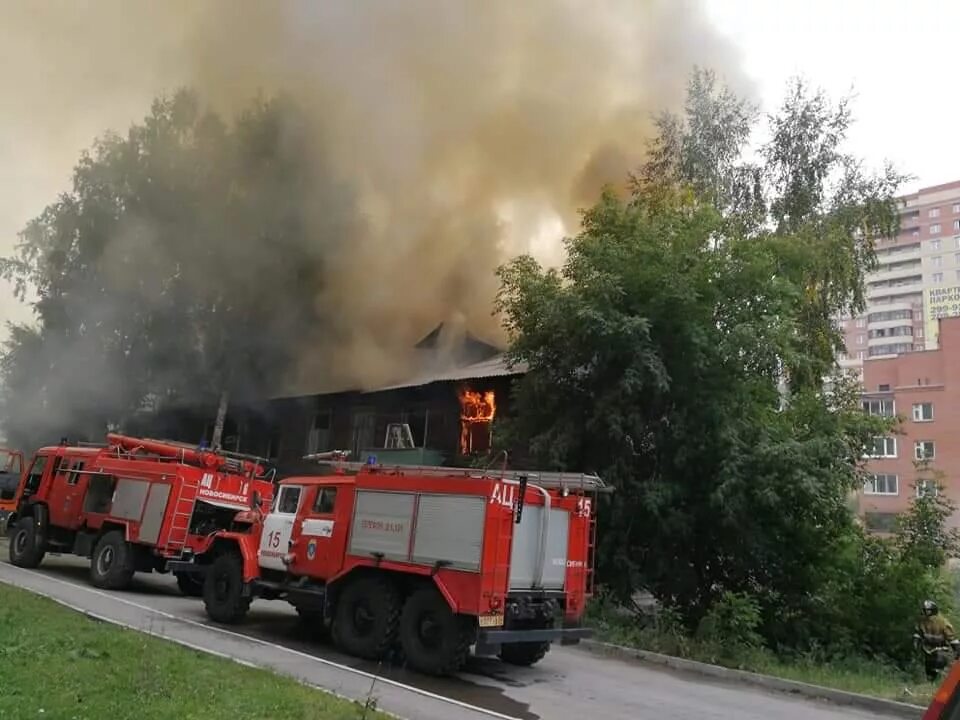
(860, 675)
(61, 665)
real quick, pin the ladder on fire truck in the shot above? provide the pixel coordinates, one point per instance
(586, 482)
(182, 513)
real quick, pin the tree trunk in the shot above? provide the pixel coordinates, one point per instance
(221, 419)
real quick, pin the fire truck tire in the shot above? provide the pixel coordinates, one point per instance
(523, 654)
(435, 641)
(189, 584)
(111, 566)
(24, 549)
(223, 590)
(367, 617)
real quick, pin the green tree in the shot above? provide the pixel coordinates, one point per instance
(660, 354)
(178, 265)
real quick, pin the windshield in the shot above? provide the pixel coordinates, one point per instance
(10, 462)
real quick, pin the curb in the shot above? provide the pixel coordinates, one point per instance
(767, 682)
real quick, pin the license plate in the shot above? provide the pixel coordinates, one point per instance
(491, 620)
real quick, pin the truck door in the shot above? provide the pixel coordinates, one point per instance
(66, 494)
(319, 553)
(278, 527)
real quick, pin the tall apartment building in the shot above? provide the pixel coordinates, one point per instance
(923, 390)
(917, 281)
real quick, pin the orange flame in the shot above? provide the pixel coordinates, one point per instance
(475, 409)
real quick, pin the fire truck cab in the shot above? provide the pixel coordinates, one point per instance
(427, 561)
(11, 467)
(130, 505)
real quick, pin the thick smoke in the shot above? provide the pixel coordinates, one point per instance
(467, 132)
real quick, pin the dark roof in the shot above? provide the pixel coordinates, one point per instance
(444, 354)
(496, 366)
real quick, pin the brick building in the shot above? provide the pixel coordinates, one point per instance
(916, 282)
(923, 390)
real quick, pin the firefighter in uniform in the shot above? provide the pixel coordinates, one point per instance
(934, 636)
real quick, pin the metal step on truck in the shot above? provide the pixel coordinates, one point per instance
(421, 563)
(132, 505)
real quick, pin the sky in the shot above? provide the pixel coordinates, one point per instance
(896, 57)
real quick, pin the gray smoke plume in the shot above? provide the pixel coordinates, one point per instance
(467, 131)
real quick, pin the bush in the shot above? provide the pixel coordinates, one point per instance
(732, 623)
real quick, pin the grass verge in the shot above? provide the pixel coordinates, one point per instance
(61, 665)
(858, 675)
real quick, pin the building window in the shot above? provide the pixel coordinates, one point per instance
(927, 488)
(937, 261)
(894, 349)
(890, 315)
(922, 412)
(882, 484)
(915, 234)
(861, 355)
(880, 408)
(935, 230)
(956, 225)
(938, 277)
(861, 322)
(956, 208)
(883, 447)
(924, 450)
(933, 212)
(882, 522)
(318, 437)
(861, 339)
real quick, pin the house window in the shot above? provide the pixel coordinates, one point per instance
(924, 450)
(882, 484)
(938, 277)
(883, 447)
(861, 339)
(927, 488)
(935, 230)
(956, 225)
(956, 208)
(861, 322)
(318, 437)
(880, 521)
(861, 355)
(933, 212)
(922, 412)
(880, 408)
(938, 261)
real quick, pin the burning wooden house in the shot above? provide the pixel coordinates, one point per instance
(443, 414)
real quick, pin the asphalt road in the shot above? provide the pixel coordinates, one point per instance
(569, 684)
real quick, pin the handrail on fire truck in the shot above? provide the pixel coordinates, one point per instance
(185, 453)
(547, 479)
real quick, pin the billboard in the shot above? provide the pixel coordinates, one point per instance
(939, 302)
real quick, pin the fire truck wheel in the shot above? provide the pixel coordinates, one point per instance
(366, 618)
(112, 565)
(24, 551)
(524, 654)
(223, 590)
(434, 639)
(189, 584)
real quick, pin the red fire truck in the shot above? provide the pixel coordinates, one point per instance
(11, 467)
(424, 561)
(132, 505)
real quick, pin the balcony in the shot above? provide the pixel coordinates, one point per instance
(904, 288)
(899, 272)
(898, 253)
